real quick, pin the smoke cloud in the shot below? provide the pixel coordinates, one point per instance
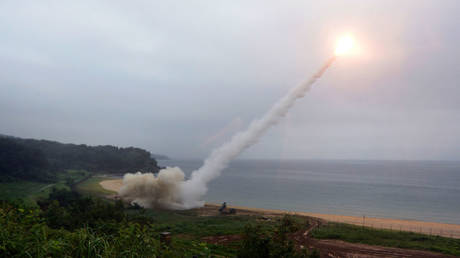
(170, 189)
(150, 191)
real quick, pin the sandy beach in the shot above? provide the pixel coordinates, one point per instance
(112, 185)
(431, 228)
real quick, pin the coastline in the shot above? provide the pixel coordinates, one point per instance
(430, 228)
(425, 227)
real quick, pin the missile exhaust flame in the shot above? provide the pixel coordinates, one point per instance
(345, 46)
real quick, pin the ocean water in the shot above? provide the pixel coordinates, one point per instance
(419, 190)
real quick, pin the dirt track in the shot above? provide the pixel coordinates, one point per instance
(336, 248)
(326, 248)
(430, 228)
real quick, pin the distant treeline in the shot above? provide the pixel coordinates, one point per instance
(21, 162)
(42, 159)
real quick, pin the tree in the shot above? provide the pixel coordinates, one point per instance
(21, 162)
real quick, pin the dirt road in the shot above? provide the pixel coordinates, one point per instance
(430, 228)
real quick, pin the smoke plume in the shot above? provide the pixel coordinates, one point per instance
(170, 189)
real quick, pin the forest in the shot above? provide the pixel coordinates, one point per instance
(42, 160)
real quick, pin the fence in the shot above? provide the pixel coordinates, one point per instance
(429, 228)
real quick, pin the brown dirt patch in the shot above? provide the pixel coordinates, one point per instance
(337, 248)
(222, 240)
(112, 185)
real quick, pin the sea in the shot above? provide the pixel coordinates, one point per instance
(410, 190)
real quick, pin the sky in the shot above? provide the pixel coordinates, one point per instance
(181, 77)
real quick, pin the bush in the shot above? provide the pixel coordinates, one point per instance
(24, 233)
(260, 243)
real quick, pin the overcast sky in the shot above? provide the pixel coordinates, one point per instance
(180, 77)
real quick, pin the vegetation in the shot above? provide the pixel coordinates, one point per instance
(20, 162)
(258, 242)
(27, 233)
(92, 187)
(41, 160)
(70, 225)
(390, 238)
(56, 215)
(30, 191)
(21, 190)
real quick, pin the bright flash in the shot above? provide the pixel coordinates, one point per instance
(344, 46)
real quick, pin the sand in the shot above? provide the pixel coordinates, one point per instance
(431, 228)
(111, 185)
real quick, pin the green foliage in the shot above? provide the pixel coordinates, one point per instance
(391, 238)
(67, 209)
(26, 232)
(21, 162)
(71, 225)
(31, 191)
(41, 160)
(73, 174)
(258, 242)
(205, 226)
(20, 190)
(108, 159)
(255, 243)
(290, 224)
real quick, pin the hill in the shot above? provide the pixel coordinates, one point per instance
(18, 161)
(32, 159)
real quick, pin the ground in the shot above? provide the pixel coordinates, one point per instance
(303, 238)
(223, 234)
(391, 229)
(30, 191)
(92, 186)
(430, 228)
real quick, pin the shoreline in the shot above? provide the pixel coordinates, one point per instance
(425, 227)
(416, 226)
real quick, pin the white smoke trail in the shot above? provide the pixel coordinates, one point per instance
(188, 194)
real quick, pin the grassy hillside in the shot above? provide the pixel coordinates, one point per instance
(43, 160)
(30, 191)
(22, 190)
